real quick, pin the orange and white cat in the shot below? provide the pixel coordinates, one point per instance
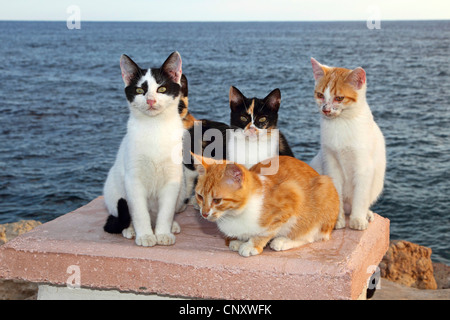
(352, 148)
(293, 207)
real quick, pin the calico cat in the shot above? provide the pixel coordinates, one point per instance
(256, 140)
(144, 187)
(293, 207)
(201, 135)
(183, 107)
(352, 148)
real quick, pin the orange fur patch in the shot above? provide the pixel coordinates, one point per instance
(335, 79)
(298, 191)
(297, 199)
(250, 109)
(188, 121)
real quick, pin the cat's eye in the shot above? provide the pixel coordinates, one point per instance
(199, 197)
(217, 201)
(319, 95)
(140, 91)
(162, 89)
(244, 118)
(339, 99)
(262, 119)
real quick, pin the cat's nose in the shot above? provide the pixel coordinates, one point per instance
(325, 109)
(206, 213)
(151, 102)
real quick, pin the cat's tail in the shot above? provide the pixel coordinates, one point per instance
(122, 221)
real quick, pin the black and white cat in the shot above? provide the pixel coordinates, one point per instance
(145, 184)
(258, 138)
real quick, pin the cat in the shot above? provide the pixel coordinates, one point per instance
(183, 107)
(258, 138)
(145, 185)
(201, 135)
(293, 207)
(352, 148)
(246, 142)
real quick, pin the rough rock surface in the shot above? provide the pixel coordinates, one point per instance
(442, 275)
(390, 290)
(408, 264)
(9, 231)
(16, 289)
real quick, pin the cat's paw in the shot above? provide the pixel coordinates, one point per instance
(280, 244)
(165, 239)
(340, 223)
(247, 249)
(175, 227)
(370, 216)
(358, 223)
(129, 232)
(235, 245)
(146, 240)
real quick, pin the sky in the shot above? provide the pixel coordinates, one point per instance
(225, 10)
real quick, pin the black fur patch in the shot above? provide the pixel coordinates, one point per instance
(173, 88)
(130, 90)
(117, 224)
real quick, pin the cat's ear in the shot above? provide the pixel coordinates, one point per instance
(356, 78)
(184, 85)
(273, 100)
(201, 164)
(129, 69)
(236, 98)
(234, 175)
(319, 70)
(172, 67)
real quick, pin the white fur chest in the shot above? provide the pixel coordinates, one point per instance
(153, 144)
(246, 224)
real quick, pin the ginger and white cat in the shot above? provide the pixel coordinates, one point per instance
(145, 184)
(352, 149)
(293, 207)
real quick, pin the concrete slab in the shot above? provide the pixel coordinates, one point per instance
(74, 249)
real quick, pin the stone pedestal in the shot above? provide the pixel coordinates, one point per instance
(73, 250)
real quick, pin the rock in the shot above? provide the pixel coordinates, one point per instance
(408, 264)
(442, 275)
(17, 289)
(389, 290)
(9, 231)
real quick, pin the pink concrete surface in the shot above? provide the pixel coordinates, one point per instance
(199, 265)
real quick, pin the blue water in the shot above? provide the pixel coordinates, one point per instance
(63, 111)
